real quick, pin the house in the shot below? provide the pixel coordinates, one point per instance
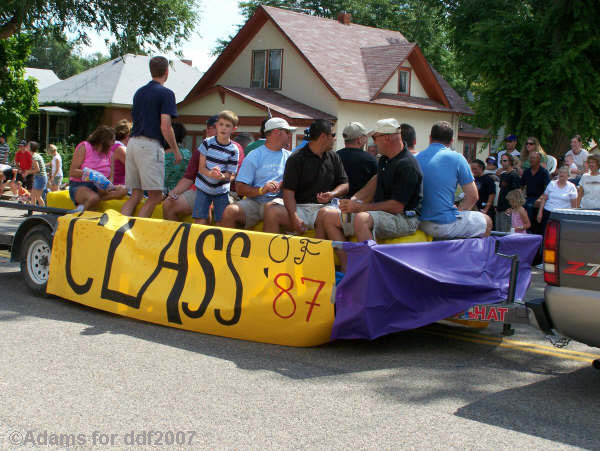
(473, 143)
(104, 94)
(49, 123)
(303, 67)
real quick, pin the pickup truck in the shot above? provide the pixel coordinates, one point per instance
(571, 303)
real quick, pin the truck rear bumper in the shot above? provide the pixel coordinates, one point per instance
(574, 313)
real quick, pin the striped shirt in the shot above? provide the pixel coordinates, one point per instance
(4, 150)
(217, 156)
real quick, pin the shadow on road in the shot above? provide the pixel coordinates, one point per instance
(567, 409)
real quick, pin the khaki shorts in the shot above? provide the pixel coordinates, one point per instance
(253, 210)
(468, 224)
(190, 197)
(306, 212)
(145, 164)
(385, 225)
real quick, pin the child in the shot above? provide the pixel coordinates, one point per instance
(56, 174)
(570, 163)
(519, 219)
(216, 167)
(40, 178)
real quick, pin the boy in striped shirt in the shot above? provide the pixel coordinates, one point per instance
(216, 168)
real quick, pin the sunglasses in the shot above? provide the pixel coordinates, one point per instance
(529, 143)
(503, 161)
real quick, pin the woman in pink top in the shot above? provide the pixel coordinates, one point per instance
(118, 151)
(94, 153)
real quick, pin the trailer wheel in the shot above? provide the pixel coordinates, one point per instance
(35, 258)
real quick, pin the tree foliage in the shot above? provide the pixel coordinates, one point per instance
(18, 97)
(161, 24)
(534, 66)
(55, 52)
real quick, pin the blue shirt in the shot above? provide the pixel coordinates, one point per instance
(443, 170)
(149, 102)
(261, 166)
(217, 156)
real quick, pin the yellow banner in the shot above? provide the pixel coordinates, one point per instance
(234, 283)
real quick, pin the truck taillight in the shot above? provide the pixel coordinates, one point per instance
(551, 253)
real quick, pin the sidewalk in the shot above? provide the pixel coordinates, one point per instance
(10, 220)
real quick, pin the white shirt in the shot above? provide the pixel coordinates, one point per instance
(591, 191)
(57, 163)
(514, 153)
(579, 159)
(559, 197)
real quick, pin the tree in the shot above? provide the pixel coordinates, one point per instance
(533, 65)
(55, 52)
(158, 23)
(422, 21)
(18, 97)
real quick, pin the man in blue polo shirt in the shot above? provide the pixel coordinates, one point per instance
(152, 111)
(443, 170)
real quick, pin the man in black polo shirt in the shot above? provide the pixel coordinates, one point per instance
(486, 188)
(313, 176)
(534, 179)
(389, 205)
(152, 111)
(360, 166)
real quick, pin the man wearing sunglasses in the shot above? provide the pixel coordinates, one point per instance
(314, 175)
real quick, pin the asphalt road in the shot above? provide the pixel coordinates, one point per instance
(69, 369)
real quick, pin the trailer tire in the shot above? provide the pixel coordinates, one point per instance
(35, 258)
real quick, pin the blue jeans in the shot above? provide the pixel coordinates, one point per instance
(203, 201)
(39, 182)
(74, 186)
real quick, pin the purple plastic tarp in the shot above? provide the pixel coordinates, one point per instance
(390, 288)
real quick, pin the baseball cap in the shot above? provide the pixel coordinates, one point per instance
(354, 130)
(511, 138)
(22, 143)
(212, 120)
(386, 127)
(277, 122)
(490, 160)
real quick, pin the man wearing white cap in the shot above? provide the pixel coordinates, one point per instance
(389, 205)
(360, 166)
(443, 170)
(260, 176)
(313, 176)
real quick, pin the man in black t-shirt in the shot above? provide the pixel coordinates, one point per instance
(359, 165)
(389, 205)
(486, 188)
(313, 176)
(534, 180)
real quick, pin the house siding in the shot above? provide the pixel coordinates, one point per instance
(298, 81)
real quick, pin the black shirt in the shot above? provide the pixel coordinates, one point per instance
(536, 184)
(400, 178)
(360, 167)
(508, 182)
(485, 186)
(149, 102)
(307, 174)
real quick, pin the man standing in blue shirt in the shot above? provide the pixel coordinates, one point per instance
(152, 111)
(443, 170)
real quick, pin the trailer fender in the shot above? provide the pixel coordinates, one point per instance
(49, 221)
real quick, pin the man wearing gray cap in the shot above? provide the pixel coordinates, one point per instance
(360, 166)
(260, 176)
(389, 204)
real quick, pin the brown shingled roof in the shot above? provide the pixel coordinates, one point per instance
(353, 61)
(278, 103)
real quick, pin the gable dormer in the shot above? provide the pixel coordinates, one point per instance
(405, 82)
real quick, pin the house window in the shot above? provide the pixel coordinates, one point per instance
(266, 69)
(404, 81)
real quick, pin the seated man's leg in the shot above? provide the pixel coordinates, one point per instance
(275, 217)
(233, 216)
(468, 224)
(363, 226)
(176, 209)
(332, 226)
